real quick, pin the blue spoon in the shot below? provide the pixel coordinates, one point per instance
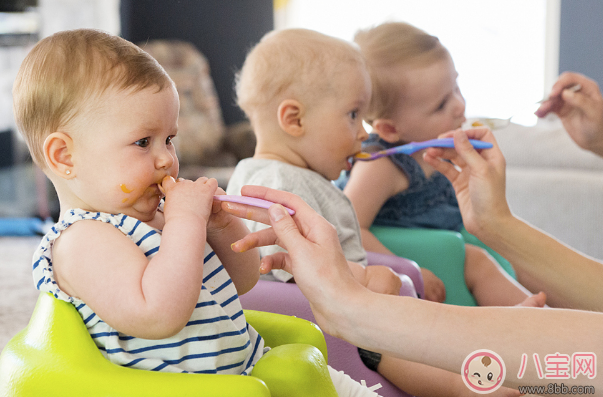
(412, 147)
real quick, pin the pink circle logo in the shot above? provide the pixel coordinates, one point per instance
(483, 371)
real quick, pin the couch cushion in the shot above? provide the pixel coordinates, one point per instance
(545, 145)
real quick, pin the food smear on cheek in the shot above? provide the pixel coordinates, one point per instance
(125, 190)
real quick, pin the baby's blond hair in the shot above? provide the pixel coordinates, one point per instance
(64, 73)
(293, 63)
(386, 48)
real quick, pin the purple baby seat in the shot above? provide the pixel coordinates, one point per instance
(286, 298)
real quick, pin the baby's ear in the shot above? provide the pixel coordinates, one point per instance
(386, 130)
(290, 113)
(58, 148)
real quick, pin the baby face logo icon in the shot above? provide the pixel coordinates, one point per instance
(483, 371)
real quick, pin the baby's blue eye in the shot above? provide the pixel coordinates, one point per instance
(354, 114)
(144, 142)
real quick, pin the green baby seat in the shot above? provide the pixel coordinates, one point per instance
(441, 251)
(55, 356)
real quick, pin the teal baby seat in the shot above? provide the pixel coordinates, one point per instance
(441, 251)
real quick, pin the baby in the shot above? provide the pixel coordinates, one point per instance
(416, 98)
(146, 261)
(306, 94)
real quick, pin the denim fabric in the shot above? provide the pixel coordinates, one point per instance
(427, 202)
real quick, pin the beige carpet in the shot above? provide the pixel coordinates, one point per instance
(18, 292)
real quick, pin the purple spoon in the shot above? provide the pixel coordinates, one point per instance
(255, 202)
(412, 147)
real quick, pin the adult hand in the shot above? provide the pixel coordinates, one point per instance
(314, 256)
(478, 179)
(581, 112)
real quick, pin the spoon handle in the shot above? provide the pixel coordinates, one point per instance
(447, 143)
(255, 202)
(574, 88)
(413, 147)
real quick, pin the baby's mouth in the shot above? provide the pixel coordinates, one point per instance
(160, 187)
(460, 124)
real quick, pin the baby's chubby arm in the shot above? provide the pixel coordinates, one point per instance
(370, 185)
(150, 299)
(223, 230)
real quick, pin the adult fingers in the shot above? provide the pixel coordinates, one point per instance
(309, 224)
(261, 238)
(581, 101)
(554, 101)
(276, 196)
(434, 158)
(561, 95)
(278, 260)
(247, 212)
(464, 148)
(462, 154)
(285, 228)
(566, 80)
(305, 217)
(545, 108)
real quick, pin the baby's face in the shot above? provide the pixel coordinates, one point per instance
(430, 101)
(123, 149)
(334, 125)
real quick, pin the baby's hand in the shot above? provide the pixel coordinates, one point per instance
(187, 198)
(383, 280)
(434, 287)
(219, 219)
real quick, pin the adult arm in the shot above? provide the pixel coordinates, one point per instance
(581, 112)
(412, 329)
(542, 263)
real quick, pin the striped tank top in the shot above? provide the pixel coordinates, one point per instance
(216, 339)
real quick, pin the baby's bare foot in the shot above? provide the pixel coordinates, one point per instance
(537, 300)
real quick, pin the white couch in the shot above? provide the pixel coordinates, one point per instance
(555, 185)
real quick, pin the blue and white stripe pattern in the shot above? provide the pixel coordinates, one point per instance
(217, 338)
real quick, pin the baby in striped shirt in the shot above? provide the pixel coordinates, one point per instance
(154, 278)
(146, 261)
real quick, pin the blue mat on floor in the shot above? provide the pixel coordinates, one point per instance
(24, 226)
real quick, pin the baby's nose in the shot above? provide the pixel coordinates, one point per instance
(164, 160)
(362, 134)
